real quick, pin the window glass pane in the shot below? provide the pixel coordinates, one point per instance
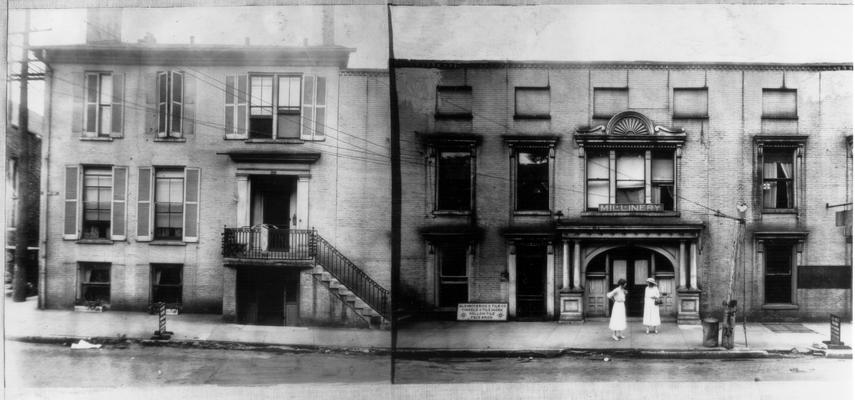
(533, 180)
(288, 126)
(778, 164)
(778, 282)
(92, 88)
(663, 194)
(454, 100)
(610, 101)
(630, 166)
(453, 261)
(598, 193)
(663, 167)
(779, 103)
(106, 118)
(630, 195)
(262, 91)
(690, 103)
(289, 94)
(598, 165)
(532, 101)
(106, 90)
(453, 181)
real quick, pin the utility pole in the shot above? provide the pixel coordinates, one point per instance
(395, 150)
(19, 277)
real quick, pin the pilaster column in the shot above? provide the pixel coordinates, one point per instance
(693, 265)
(243, 206)
(681, 280)
(577, 264)
(303, 203)
(565, 265)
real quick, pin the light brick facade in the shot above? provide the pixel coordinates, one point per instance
(339, 193)
(718, 160)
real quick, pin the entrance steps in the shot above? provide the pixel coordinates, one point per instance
(348, 298)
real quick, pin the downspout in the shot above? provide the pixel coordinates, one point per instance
(44, 187)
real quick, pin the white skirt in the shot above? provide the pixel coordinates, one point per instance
(651, 313)
(618, 319)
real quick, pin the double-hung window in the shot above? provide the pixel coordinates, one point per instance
(166, 283)
(778, 285)
(532, 183)
(95, 202)
(170, 103)
(97, 191)
(629, 177)
(94, 281)
(778, 176)
(280, 107)
(168, 204)
(454, 179)
(102, 116)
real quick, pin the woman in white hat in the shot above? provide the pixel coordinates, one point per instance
(617, 322)
(651, 309)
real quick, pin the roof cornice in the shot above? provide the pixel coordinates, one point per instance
(486, 64)
(217, 55)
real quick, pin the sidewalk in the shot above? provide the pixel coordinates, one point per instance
(595, 335)
(24, 320)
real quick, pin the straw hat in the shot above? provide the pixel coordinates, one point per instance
(651, 280)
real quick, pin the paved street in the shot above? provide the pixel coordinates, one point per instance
(43, 365)
(593, 368)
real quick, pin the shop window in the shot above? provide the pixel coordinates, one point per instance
(454, 180)
(691, 103)
(166, 283)
(531, 103)
(94, 282)
(610, 101)
(621, 177)
(778, 273)
(454, 102)
(97, 191)
(532, 179)
(453, 285)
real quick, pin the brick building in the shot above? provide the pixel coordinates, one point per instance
(241, 180)
(540, 185)
(22, 184)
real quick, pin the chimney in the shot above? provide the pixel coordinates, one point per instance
(328, 26)
(103, 25)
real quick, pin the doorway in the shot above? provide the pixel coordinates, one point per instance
(531, 282)
(273, 199)
(635, 264)
(267, 296)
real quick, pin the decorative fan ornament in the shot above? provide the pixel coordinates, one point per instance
(630, 126)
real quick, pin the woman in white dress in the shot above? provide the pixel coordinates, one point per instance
(651, 309)
(617, 323)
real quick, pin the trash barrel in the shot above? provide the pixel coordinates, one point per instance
(710, 332)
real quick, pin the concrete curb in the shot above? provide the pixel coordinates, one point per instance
(412, 353)
(119, 341)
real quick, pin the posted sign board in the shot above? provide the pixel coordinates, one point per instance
(482, 312)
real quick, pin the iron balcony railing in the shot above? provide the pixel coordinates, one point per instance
(267, 242)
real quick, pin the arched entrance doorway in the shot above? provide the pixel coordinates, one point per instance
(635, 264)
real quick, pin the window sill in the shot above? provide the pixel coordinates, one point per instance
(170, 139)
(780, 306)
(677, 116)
(781, 118)
(276, 141)
(96, 139)
(532, 117)
(451, 213)
(167, 243)
(94, 241)
(458, 116)
(780, 211)
(526, 213)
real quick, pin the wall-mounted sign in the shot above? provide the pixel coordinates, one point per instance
(824, 277)
(630, 208)
(482, 312)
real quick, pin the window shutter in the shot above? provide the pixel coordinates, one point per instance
(189, 104)
(242, 97)
(308, 107)
(191, 204)
(320, 107)
(144, 204)
(117, 221)
(91, 101)
(150, 88)
(117, 112)
(176, 104)
(229, 111)
(72, 194)
(78, 82)
(162, 91)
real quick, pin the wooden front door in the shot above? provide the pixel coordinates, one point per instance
(595, 297)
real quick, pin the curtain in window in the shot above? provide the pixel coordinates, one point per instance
(777, 180)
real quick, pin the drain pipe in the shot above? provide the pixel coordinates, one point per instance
(44, 187)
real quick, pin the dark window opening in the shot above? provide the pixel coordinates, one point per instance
(454, 181)
(533, 179)
(779, 273)
(97, 190)
(166, 283)
(453, 279)
(95, 282)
